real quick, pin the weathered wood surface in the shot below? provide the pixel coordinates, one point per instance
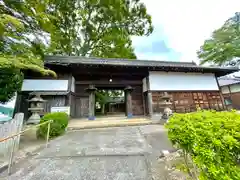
(129, 104)
(137, 100)
(150, 102)
(106, 82)
(189, 101)
(91, 110)
(53, 101)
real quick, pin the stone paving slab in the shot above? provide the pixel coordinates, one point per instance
(97, 168)
(156, 137)
(149, 129)
(123, 153)
(79, 125)
(112, 141)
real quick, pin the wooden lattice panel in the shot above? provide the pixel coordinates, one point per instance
(190, 101)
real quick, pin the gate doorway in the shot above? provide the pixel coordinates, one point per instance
(81, 106)
(110, 102)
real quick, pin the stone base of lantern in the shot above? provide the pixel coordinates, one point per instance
(34, 119)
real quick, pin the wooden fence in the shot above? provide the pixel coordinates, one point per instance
(9, 128)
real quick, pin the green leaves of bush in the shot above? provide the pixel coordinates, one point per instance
(212, 139)
(57, 127)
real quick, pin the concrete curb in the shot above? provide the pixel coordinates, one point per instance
(111, 125)
(17, 159)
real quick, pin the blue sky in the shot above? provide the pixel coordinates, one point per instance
(180, 27)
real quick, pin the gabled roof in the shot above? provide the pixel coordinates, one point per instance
(225, 81)
(149, 64)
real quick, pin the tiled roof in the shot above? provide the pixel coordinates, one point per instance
(224, 81)
(113, 61)
(151, 65)
(49, 93)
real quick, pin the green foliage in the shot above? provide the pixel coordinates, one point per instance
(21, 25)
(31, 29)
(10, 82)
(18, 21)
(98, 27)
(58, 126)
(102, 96)
(212, 139)
(224, 45)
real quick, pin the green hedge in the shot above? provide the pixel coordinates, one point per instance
(58, 126)
(211, 139)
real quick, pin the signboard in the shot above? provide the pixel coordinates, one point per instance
(65, 109)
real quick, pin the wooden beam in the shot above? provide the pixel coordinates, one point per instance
(105, 73)
(106, 82)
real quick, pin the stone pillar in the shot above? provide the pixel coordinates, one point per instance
(91, 111)
(128, 95)
(149, 99)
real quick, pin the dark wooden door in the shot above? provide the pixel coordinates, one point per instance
(82, 105)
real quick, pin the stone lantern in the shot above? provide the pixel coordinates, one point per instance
(36, 106)
(165, 104)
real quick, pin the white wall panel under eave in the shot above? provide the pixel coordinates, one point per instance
(235, 88)
(44, 85)
(225, 90)
(177, 81)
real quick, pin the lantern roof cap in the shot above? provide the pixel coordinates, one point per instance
(36, 98)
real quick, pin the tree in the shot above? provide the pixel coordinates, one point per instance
(98, 27)
(223, 48)
(103, 97)
(19, 52)
(31, 29)
(21, 23)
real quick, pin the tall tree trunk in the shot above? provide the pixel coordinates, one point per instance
(103, 109)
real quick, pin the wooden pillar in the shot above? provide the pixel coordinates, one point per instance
(149, 99)
(128, 95)
(221, 96)
(91, 112)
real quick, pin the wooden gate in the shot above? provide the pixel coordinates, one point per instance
(81, 107)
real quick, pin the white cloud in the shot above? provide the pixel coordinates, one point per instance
(188, 23)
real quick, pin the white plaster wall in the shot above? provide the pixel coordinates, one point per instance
(44, 85)
(235, 88)
(225, 89)
(163, 81)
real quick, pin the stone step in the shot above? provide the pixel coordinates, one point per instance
(77, 125)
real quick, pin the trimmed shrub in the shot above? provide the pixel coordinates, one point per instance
(211, 139)
(57, 127)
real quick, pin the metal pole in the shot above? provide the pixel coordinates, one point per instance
(48, 131)
(11, 156)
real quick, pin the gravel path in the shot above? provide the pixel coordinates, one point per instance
(124, 153)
